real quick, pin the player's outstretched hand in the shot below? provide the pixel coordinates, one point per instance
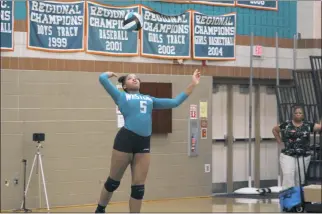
(111, 74)
(196, 77)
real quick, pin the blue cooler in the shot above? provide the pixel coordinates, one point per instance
(291, 200)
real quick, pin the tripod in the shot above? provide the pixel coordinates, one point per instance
(39, 161)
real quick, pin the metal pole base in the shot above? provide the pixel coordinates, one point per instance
(23, 207)
(23, 210)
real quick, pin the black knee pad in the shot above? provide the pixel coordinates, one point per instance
(137, 192)
(111, 185)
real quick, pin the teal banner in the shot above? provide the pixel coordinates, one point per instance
(56, 26)
(7, 25)
(215, 2)
(167, 37)
(214, 37)
(105, 33)
(264, 5)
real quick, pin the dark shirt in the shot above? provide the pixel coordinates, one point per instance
(296, 138)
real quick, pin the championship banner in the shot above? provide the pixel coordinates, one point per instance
(207, 2)
(105, 32)
(264, 5)
(166, 37)
(7, 25)
(214, 2)
(214, 37)
(55, 26)
(177, 1)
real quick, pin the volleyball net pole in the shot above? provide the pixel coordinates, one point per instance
(279, 180)
(250, 111)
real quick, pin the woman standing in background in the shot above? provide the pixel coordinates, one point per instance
(296, 140)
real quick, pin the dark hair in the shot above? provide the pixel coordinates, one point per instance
(122, 79)
(297, 107)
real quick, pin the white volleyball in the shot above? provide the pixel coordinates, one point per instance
(133, 21)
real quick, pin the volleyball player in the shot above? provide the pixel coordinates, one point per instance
(132, 142)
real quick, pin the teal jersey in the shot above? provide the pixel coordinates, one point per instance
(137, 108)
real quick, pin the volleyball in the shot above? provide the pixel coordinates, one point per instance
(133, 21)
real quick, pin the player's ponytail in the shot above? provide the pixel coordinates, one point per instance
(122, 80)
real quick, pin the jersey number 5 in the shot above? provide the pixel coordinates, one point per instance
(143, 106)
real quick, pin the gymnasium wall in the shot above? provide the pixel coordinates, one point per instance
(268, 162)
(262, 23)
(309, 12)
(291, 17)
(317, 20)
(79, 119)
(59, 93)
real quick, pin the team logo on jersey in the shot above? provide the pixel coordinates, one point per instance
(137, 97)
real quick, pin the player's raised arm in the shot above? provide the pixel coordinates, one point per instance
(166, 103)
(108, 86)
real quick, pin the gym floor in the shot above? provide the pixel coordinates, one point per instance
(184, 205)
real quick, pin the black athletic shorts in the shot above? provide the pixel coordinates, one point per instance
(130, 142)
